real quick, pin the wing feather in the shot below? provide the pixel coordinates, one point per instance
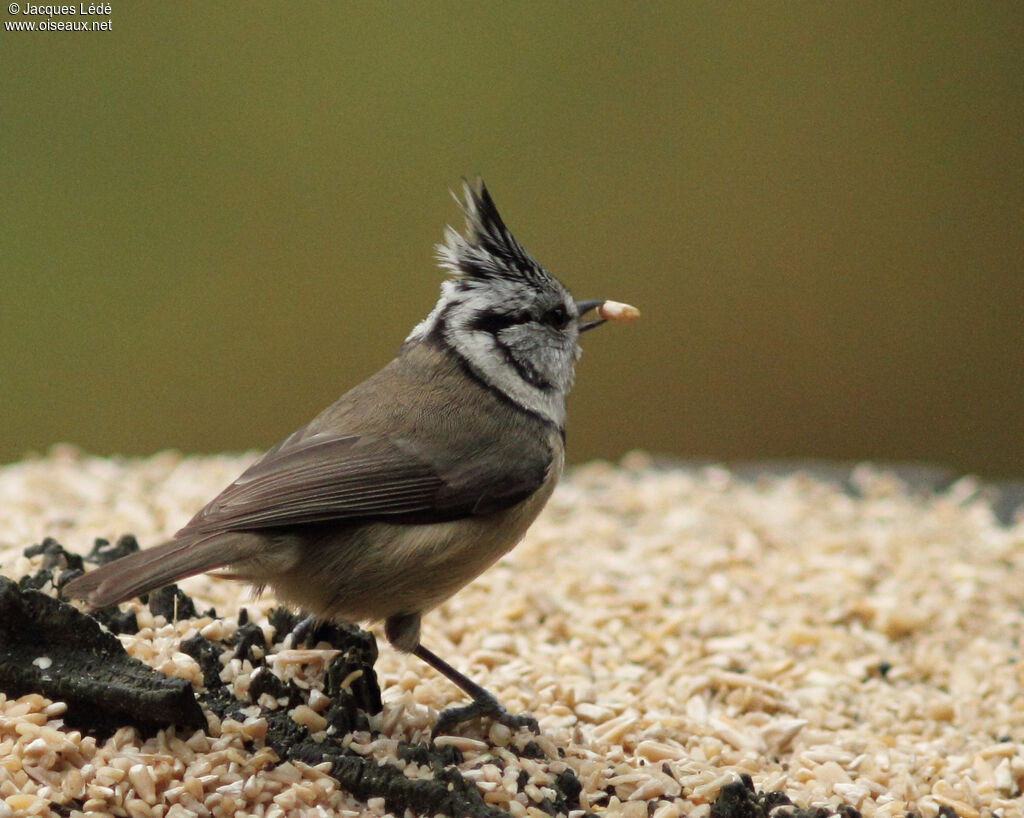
(329, 477)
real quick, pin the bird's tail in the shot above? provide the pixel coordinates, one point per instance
(155, 567)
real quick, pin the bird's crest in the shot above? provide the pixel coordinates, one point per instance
(488, 249)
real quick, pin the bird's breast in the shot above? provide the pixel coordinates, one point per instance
(379, 569)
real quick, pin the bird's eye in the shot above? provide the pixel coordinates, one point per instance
(557, 317)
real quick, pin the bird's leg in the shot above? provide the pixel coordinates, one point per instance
(483, 704)
(403, 631)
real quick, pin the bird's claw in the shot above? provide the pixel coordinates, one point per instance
(488, 707)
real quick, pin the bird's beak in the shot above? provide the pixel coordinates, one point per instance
(607, 310)
(583, 307)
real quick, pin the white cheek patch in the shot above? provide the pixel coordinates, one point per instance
(617, 311)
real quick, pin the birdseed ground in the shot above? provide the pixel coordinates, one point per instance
(672, 630)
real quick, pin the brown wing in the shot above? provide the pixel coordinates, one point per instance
(327, 477)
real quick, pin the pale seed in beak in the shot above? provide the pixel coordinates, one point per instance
(617, 311)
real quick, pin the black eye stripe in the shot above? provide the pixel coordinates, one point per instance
(494, 323)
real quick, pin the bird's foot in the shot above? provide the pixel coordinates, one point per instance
(485, 705)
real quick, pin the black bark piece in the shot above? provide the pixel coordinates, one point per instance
(265, 681)
(207, 654)
(88, 668)
(57, 567)
(117, 621)
(103, 552)
(54, 555)
(741, 800)
(343, 718)
(529, 750)
(246, 638)
(171, 603)
(429, 755)
(33, 582)
(448, 793)
(352, 702)
(346, 637)
(283, 621)
(363, 692)
(67, 575)
(569, 788)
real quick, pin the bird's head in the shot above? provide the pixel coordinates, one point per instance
(511, 322)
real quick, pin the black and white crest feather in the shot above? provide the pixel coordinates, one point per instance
(488, 249)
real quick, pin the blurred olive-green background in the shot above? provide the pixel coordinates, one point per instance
(218, 216)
